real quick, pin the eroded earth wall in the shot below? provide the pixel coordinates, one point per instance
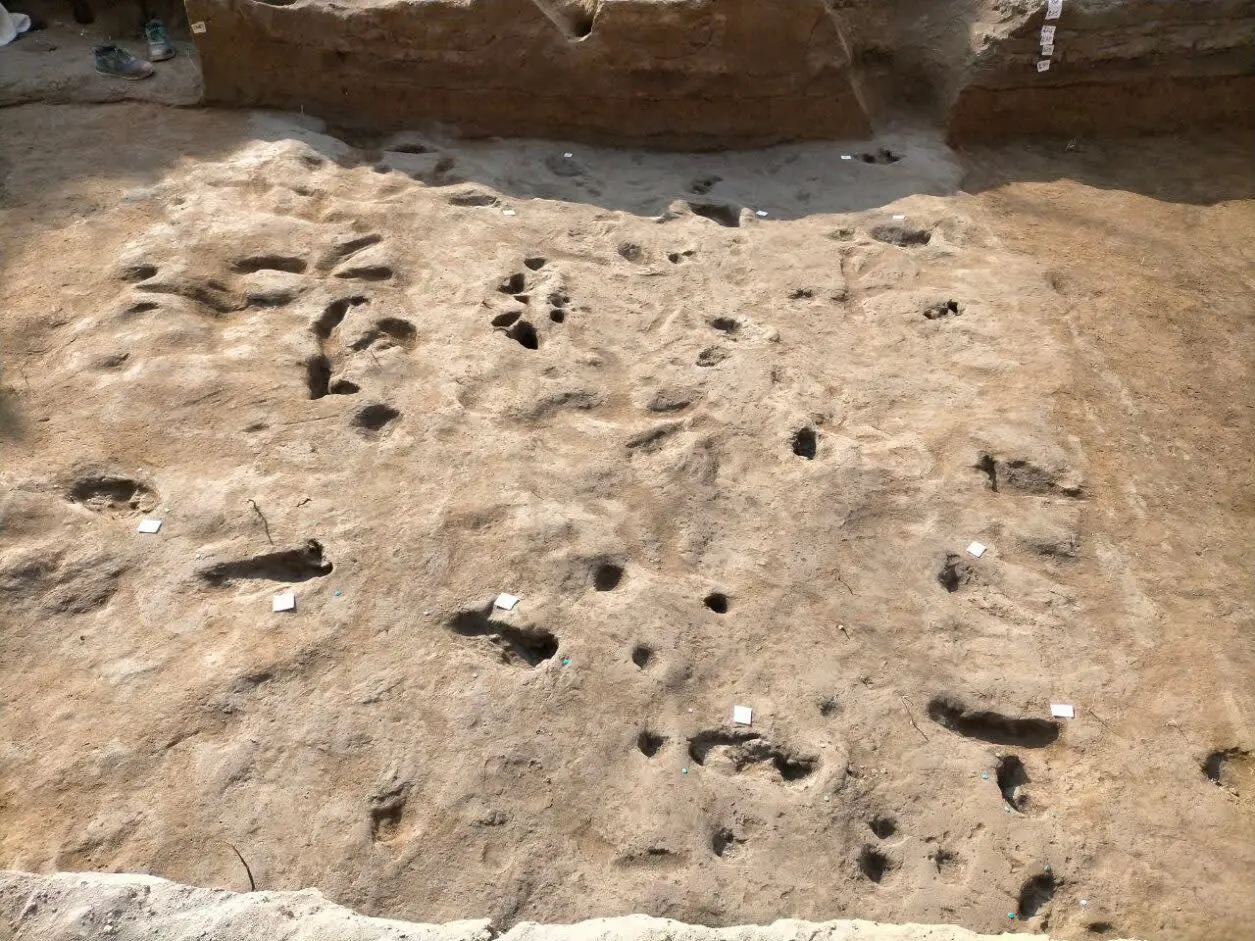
(714, 73)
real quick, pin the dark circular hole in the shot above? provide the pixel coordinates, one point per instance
(606, 577)
(829, 707)
(805, 443)
(557, 315)
(536, 263)
(873, 864)
(717, 601)
(649, 743)
(525, 334)
(641, 655)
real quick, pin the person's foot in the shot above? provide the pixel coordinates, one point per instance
(116, 61)
(159, 46)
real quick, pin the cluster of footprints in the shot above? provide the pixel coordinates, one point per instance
(273, 281)
(517, 295)
(1024, 478)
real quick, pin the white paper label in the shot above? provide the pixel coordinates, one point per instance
(1062, 711)
(1053, 9)
(1047, 34)
(199, 27)
(742, 715)
(149, 526)
(1048, 49)
(285, 602)
(1043, 65)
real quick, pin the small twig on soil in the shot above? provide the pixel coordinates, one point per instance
(302, 421)
(303, 502)
(843, 582)
(910, 718)
(1101, 720)
(252, 885)
(266, 525)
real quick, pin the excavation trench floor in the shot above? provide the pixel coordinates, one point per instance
(726, 426)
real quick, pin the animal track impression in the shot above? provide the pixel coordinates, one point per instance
(111, 493)
(1231, 768)
(386, 811)
(874, 865)
(1022, 476)
(955, 573)
(1011, 776)
(288, 565)
(516, 646)
(883, 826)
(255, 263)
(901, 235)
(725, 214)
(945, 309)
(650, 743)
(1035, 893)
(994, 727)
(724, 842)
(375, 417)
(733, 752)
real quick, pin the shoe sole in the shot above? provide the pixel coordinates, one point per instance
(165, 58)
(129, 78)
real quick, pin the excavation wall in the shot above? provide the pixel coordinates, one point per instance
(712, 73)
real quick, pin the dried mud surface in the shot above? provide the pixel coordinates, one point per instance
(723, 458)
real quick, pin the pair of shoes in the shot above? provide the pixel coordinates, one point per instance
(116, 61)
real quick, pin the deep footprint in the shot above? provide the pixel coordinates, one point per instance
(112, 493)
(743, 749)
(255, 263)
(288, 565)
(994, 727)
(375, 417)
(901, 235)
(516, 646)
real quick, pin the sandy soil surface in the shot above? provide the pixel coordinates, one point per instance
(723, 458)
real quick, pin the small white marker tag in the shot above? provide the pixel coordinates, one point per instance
(506, 602)
(285, 602)
(1047, 34)
(1062, 711)
(508, 212)
(900, 217)
(976, 549)
(847, 157)
(1048, 49)
(742, 715)
(761, 213)
(568, 155)
(1054, 8)
(1043, 65)
(148, 526)
(199, 27)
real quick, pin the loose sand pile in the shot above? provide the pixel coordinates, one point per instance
(726, 424)
(69, 907)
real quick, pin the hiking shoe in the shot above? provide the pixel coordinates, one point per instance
(116, 61)
(159, 46)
